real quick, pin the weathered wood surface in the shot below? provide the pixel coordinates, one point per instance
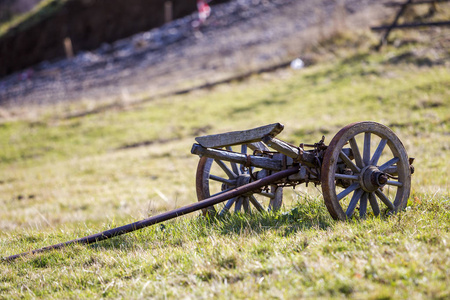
(258, 146)
(255, 161)
(291, 151)
(277, 200)
(240, 137)
(282, 147)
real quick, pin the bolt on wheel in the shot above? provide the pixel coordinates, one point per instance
(365, 168)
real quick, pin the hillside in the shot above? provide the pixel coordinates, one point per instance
(240, 36)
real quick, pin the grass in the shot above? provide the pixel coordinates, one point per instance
(302, 253)
(42, 10)
(63, 178)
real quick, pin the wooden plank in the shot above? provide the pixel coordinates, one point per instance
(239, 158)
(239, 137)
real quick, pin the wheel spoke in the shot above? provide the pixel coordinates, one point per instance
(366, 152)
(244, 148)
(268, 195)
(275, 202)
(349, 162)
(221, 192)
(363, 206)
(385, 199)
(246, 205)
(355, 198)
(238, 205)
(388, 164)
(356, 153)
(256, 204)
(223, 180)
(235, 168)
(348, 190)
(343, 176)
(234, 165)
(243, 151)
(394, 183)
(374, 204)
(227, 206)
(392, 170)
(225, 168)
(377, 154)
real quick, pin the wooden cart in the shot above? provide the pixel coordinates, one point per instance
(242, 171)
(364, 163)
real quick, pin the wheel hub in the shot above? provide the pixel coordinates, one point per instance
(243, 179)
(371, 179)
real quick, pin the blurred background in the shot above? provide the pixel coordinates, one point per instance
(59, 50)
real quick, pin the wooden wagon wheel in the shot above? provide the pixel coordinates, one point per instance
(378, 175)
(216, 176)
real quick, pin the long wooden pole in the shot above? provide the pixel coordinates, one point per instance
(411, 25)
(255, 185)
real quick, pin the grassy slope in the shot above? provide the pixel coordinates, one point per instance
(65, 178)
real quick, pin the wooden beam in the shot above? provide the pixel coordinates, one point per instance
(239, 158)
(383, 40)
(395, 4)
(168, 11)
(294, 152)
(240, 137)
(411, 25)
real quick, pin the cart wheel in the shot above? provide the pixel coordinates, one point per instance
(382, 176)
(217, 176)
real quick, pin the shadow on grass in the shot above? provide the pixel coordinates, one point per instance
(303, 216)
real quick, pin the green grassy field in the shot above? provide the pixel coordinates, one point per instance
(63, 178)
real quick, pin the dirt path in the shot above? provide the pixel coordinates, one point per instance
(240, 36)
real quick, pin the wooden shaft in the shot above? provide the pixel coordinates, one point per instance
(296, 153)
(240, 158)
(411, 25)
(283, 147)
(252, 186)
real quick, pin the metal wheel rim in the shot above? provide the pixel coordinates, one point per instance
(247, 203)
(364, 198)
